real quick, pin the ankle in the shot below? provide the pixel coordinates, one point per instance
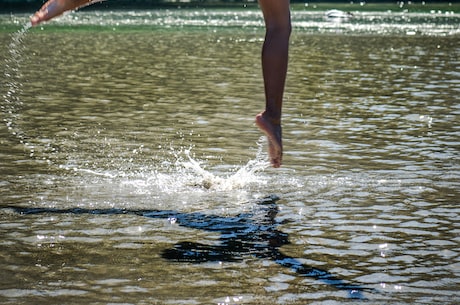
(274, 119)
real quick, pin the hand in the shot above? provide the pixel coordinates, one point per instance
(53, 8)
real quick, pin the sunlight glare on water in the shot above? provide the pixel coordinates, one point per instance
(182, 176)
(380, 23)
(131, 171)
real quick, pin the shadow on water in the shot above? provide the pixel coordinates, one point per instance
(254, 234)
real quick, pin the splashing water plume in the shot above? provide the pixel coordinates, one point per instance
(242, 177)
(151, 185)
(184, 175)
(187, 174)
(178, 180)
(12, 76)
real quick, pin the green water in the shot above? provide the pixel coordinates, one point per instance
(128, 143)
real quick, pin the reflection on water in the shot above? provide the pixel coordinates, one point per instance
(247, 234)
(151, 114)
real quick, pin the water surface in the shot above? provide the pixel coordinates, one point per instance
(132, 171)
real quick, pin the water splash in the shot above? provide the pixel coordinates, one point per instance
(178, 181)
(12, 103)
(184, 174)
(243, 176)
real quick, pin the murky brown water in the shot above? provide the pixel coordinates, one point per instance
(132, 172)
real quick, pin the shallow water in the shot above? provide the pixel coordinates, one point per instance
(132, 172)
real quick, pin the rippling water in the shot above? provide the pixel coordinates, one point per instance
(132, 172)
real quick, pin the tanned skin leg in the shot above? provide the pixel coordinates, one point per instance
(274, 61)
(274, 67)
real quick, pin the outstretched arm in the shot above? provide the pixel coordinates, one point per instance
(53, 8)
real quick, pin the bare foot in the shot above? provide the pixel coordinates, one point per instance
(55, 8)
(273, 133)
(49, 10)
